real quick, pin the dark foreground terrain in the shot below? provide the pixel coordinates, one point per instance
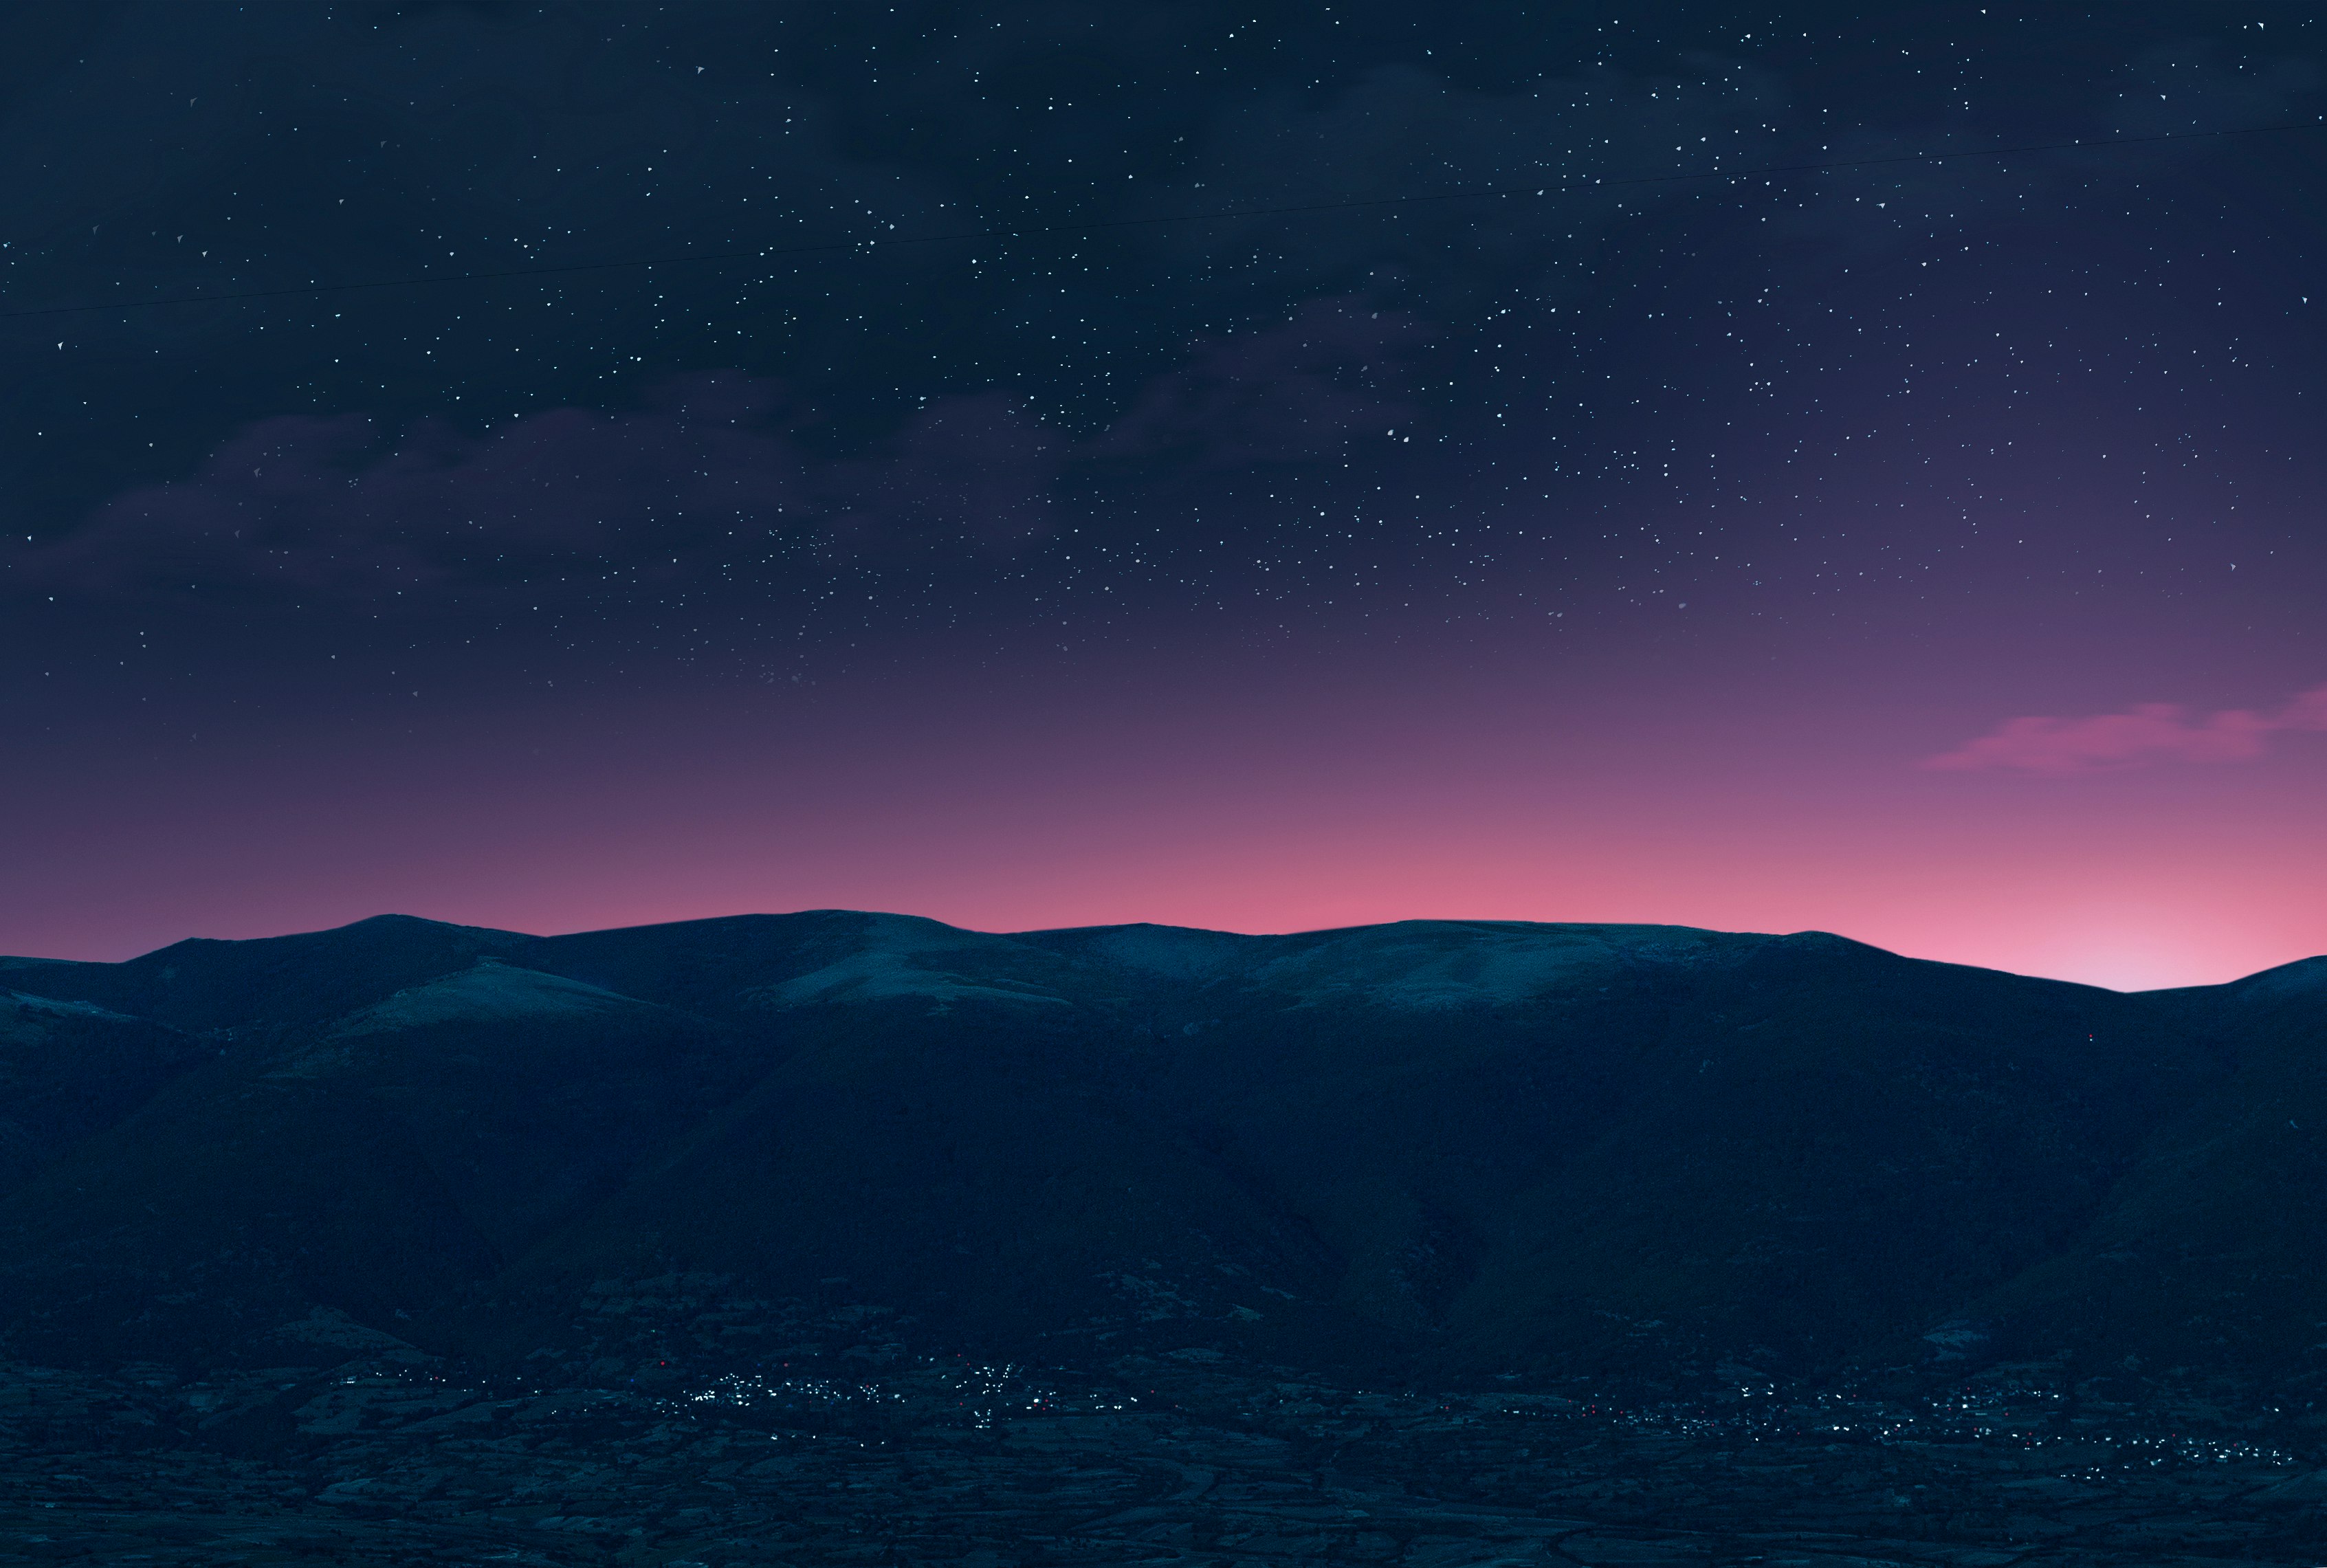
(1152, 1461)
(846, 1237)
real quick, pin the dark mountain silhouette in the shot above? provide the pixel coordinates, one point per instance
(1442, 1148)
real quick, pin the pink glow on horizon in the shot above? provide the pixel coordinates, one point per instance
(2135, 938)
(2080, 916)
(1347, 798)
(2053, 889)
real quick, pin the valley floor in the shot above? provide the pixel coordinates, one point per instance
(1157, 1461)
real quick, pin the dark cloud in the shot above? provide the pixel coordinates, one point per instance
(1886, 204)
(2195, 84)
(1404, 130)
(275, 143)
(636, 436)
(966, 476)
(1287, 394)
(707, 478)
(716, 472)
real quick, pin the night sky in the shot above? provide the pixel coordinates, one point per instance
(1474, 522)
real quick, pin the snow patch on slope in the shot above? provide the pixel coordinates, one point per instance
(26, 1018)
(879, 974)
(492, 992)
(67, 1009)
(1433, 964)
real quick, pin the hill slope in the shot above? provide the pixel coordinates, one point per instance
(1447, 1147)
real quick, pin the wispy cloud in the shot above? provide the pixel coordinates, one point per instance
(706, 478)
(2151, 732)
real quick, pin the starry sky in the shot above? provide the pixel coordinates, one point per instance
(571, 465)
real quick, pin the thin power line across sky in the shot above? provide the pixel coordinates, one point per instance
(1532, 189)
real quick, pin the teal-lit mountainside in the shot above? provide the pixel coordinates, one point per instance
(1453, 1151)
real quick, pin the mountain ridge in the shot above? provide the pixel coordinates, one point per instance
(1444, 1146)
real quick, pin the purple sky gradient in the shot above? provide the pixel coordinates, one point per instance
(1929, 552)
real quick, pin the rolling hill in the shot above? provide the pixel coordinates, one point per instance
(1449, 1149)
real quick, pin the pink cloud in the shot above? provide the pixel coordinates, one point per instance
(2153, 732)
